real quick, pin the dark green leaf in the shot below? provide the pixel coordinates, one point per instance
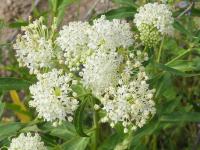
(181, 116)
(78, 118)
(125, 2)
(174, 71)
(195, 12)
(8, 83)
(18, 24)
(2, 106)
(181, 28)
(120, 13)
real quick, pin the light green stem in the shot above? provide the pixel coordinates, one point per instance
(179, 56)
(160, 51)
(96, 126)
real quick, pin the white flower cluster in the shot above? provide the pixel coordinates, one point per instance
(157, 15)
(27, 142)
(101, 71)
(154, 20)
(53, 97)
(130, 103)
(79, 40)
(73, 40)
(34, 49)
(110, 35)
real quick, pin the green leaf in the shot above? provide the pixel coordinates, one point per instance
(184, 65)
(174, 71)
(18, 24)
(16, 108)
(76, 143)
(32, 128)
(78, 118)
(125, 2)
(119, 13)
(181, 28)
(181, 116)
(195, 12)
(80, 90)
(66, 131)
(2, 106)
(7, 83)
(148, 129)
(9, 129)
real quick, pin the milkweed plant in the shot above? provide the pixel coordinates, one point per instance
(106, 83)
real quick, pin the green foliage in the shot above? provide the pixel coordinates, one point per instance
(7, 83)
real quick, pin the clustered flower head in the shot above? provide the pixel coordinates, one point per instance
(53, 97)
(154, 20)
(27, 142)
(73, 40)
(80, 40)
(101, 71)
(130, 103)
(109, 35)
(34, 49)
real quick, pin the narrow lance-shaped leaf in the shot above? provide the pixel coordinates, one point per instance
(7, 83)
(78, 118)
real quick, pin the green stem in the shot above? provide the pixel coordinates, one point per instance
(96, 126)
(160, 51)
(179, 56)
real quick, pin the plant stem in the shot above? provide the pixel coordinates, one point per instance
(160, 51)
(96, 133)
(96, 126)
(179, 56)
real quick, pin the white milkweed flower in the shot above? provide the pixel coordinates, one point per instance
(131, 103)
(52, 96)
(34, 49)
(27, 142)
(73, 40)
(100, 71)
(110, 35)
(154, 20)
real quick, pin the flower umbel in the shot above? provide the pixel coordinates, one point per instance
(27, 142)
(130, 103)
(52, 96)
(109, 35)
(100, 71)
(73, 40)
(34, 49)
(152, 20)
